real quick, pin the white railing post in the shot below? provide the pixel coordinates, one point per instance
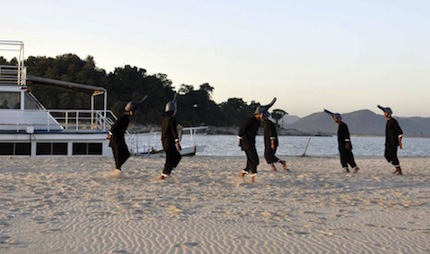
(17, 124)
(66, 120)
(77, 120)
(92, 112)
(48, 113)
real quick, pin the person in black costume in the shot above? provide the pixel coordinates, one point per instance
(247, 132)
(344, 143)
(271, 143)
(117, 132)
(393, 139)
(170, 139)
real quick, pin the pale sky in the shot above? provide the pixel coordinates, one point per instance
(343, 55)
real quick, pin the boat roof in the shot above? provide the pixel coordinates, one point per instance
(17, 75)
(94, 90)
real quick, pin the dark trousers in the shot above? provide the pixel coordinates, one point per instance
(173, 157)
(121, 155)
(346, 157)
(391, 155)
(252, 160)
(269, 155)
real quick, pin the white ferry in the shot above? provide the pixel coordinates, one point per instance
(27, 128)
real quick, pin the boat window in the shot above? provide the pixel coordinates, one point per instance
(30, 102)
(6, 148)
(43, 148)
(87, 148)
(95, 148)
(9, 148)
(9, 100)
(22, 149)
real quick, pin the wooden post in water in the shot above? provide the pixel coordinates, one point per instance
(306, 148)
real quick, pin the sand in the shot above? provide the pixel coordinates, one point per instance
(65, 205)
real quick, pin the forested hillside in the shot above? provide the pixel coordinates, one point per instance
(195, 105)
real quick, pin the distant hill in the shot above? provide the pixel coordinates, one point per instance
(362, 122)
(289, 119)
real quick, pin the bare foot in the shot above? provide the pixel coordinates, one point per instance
(284, 165)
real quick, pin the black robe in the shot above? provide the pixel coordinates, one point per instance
(392, 133)
(343, 136)
(247, 132)
(269, 135)
(169, 131)
(169, 136)
(346, 155)
(117, 140)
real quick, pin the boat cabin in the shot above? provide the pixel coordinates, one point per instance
(27, 128)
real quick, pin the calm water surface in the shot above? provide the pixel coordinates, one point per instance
(227, 145)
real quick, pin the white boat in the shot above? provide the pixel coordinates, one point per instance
(27, 128)
(149, 144)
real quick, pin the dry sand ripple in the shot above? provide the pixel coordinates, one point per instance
(63, 205)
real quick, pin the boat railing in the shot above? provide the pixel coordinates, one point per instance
(149, 142)
(79, 120)
(192, 132)
(16, 73)
(58, 120)
(12, 75)
(143, 143)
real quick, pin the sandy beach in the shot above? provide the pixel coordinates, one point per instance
(70, 205)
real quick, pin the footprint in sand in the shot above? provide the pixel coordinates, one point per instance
(115, 174)
(6, 240)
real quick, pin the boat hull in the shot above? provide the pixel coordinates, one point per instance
(54, 144)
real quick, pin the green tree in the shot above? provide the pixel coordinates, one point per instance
(235, 110)
(3, 61)
(67, 67)
(132, 83)
(196, 107)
